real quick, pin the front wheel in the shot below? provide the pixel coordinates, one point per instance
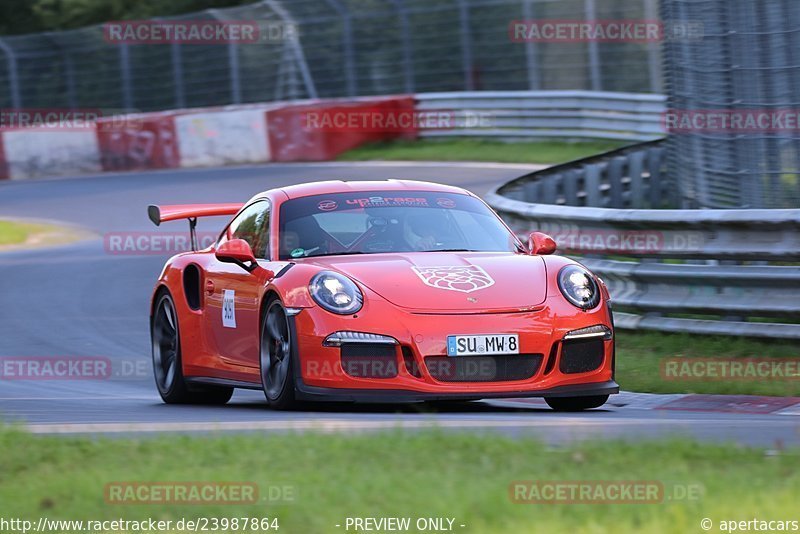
(275, 361)
(575, 404)
(167, 363)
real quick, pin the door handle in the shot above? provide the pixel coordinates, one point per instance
(209, 287)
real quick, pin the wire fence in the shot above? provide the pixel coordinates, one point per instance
(341, 48)
(746, 68)
(737, 58)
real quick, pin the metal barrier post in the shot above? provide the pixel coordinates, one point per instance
(531, 57)
(405, 33)
(69, 67)
(13, 75)
(177, 75)
(466, 44)
(233, 63)
(295, 46)
(348, 47)
(654, 49)
(590, 10)
(125, 76)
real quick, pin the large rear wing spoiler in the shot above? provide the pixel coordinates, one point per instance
(159, 214)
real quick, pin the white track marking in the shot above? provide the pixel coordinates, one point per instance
(339, 425)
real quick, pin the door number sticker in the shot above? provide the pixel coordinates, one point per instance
(229, 308)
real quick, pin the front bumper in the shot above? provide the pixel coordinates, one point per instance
(312, 393)
(319, 374)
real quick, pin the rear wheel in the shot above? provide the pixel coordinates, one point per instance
(167, 365)
(277, 377)
(575, 404)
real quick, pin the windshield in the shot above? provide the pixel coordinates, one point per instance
(389, 221)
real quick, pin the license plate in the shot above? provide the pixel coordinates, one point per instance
(484, 345)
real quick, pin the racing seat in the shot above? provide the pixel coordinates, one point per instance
(305, 233)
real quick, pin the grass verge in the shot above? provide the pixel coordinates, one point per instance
(14, 233)
(427, 474)
(640, 357)
(544, 152)
(21, 234)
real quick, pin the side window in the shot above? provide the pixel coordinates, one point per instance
(252, 225)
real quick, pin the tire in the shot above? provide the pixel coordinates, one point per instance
(575, 404)
(167, 361)
(275, 357)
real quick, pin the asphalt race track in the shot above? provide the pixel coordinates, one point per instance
(79, 300)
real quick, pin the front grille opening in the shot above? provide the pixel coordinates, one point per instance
(503, 368)
(581, 355)
(411, 363)
(369, 360)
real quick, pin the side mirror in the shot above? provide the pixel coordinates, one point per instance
(540, 243)
(237, 251)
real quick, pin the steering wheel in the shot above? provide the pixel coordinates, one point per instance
(377, 226)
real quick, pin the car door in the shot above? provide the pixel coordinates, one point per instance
(232, 294)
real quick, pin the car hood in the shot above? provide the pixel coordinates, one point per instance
(449, 282)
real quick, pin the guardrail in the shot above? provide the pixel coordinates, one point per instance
(630, 177)
(724, 272)
(548, 114)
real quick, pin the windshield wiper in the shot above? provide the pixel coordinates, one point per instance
(451, 250)
(351, 253)
(358, 252)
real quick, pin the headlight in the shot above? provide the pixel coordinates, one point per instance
(579, 287)
(336, 293)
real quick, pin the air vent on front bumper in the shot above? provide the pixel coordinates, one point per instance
(581, 355)
(483, 368)
(369, 360)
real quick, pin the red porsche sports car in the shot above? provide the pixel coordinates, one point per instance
(376, 291)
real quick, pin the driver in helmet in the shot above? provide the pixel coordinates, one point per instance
(425, 229)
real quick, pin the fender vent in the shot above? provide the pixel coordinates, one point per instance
(191, 286)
